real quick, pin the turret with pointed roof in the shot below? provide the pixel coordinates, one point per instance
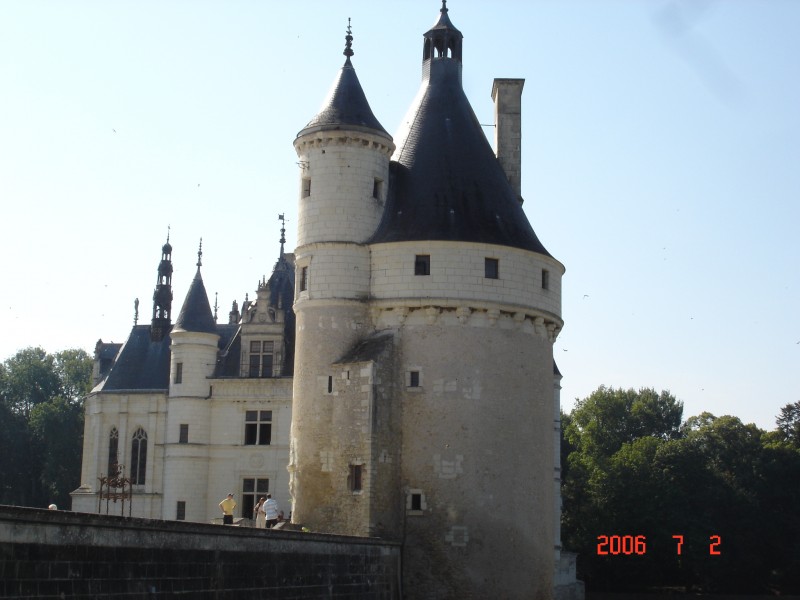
(446, 183)
(196, 312)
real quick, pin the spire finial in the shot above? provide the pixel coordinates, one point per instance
(282, 219)
(135, 312)
(216, 305)
(200, 254)
(168, 228)
(348, 47)
(444, 6)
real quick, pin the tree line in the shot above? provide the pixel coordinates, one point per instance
(41, 425)
(651, 501)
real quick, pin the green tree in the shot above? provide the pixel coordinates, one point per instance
(41, 425)
(789, 423)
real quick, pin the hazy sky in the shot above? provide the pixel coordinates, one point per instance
(661, 166)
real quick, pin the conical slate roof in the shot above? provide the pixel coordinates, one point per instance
(196, 313)
(346, 107)
(445, 180)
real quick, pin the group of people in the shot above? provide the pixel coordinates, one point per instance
(266, 512)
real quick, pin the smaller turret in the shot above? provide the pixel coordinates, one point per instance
(162, 296)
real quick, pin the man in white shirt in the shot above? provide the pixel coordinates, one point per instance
(271, 508)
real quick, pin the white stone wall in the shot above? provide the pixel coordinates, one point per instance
(213, 463)
(335, 270)
(457, 274)
(126, 412)
(197, 352)
(342, 168)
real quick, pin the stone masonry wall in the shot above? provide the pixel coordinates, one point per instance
(55, 554)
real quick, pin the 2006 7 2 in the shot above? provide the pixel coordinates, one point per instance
(630, 544)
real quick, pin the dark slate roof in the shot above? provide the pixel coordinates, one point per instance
(445, 182)
(368, 349)
(196, 312)
(141, 364)
(346, 107)
(229, 361)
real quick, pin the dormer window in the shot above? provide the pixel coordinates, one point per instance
(261, 359)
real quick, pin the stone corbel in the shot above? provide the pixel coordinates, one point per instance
(493, 314)
(432, 313)
(462, 314)
(538, 325)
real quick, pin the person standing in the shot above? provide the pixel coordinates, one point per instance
(261, 516)
(227, 506)
(271, 510)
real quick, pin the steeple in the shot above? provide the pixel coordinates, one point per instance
(162, 296)
(196, 313)
(346, 106)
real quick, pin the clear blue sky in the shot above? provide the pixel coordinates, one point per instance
(661, 165)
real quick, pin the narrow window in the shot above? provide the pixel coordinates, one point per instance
(376, 189)
(180, 511)
(330, 384)
(491, 268)
(113, 450)
(355, 478)
(183, 437)
(422, 264)
(545, 279)
(416, 501)
(306, 187)
(413, 379)
(303, 279)
(258, 428)
(138, 469)
(178, 372)
(252, 490)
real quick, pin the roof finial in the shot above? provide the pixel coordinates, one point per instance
(348, 47)
(283, 231)
(444, 6)
(135, 312)
(168, 228)
(200, 254)
(216, 306)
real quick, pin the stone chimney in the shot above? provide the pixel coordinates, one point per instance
(507, 97)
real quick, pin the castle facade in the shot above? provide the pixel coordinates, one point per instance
(395, 375)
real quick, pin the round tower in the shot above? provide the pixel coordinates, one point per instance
(473, 300)
(192, 361)
(344, 170)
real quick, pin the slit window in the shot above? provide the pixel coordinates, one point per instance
(413, 379)
(178, 372)
(545, 279)
(355, 478)
(306, 187)
(183, 436)
(422, 264)
(491, 268)
(376, 189)
(180, 511)
(303, 279)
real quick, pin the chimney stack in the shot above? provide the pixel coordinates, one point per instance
(507, 97)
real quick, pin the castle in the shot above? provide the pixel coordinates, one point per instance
(394, 376)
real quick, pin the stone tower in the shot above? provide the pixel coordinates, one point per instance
(344, 158)
(192, 363)
(423, 394)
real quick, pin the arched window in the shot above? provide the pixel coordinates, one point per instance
(138, 468)
(113, 451)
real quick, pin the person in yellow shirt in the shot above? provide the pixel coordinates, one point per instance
(227, 506)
